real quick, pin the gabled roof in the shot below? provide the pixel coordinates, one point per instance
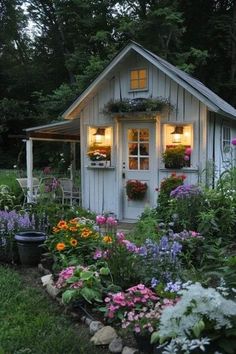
(195, 87)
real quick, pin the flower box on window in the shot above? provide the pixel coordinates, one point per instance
(101, 163)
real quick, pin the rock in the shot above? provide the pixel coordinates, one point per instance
(87, 321)
(128, 350)
(104, 336)
(52, 290)
(94, 326)
(116, 345)
(47, 279)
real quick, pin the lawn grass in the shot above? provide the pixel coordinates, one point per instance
(31, 323)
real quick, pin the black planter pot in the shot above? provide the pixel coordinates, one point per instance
(144, 343)
(28, 243)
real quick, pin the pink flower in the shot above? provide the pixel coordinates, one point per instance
(186, 158)
(137, 329)
(188, 151)
(233, 141)
(120, 236)
(111, 221)
(107, 299)
(97, 254)
(100, 219)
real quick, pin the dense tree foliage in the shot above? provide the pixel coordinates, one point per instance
(51, 49)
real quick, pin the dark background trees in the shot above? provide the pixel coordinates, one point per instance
(51, 49)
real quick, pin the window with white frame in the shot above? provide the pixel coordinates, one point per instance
(138, 79)
(226, 139)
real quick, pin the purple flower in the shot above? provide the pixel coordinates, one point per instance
(154, 282)
(164, 244)
(185, 191)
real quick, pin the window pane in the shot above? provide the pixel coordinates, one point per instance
(144, 149)
(134, 74)
(142, 74)
(133, 163)
(144, 135)
(134, 84)
(144, 164)
(133, 149)
(142, 83)
(132, 134)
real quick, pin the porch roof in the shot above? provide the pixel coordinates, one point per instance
(68, 130)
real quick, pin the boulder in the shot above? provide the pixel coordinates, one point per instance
(116, 345)
(94, 326)
(104, 336)
(128, 350)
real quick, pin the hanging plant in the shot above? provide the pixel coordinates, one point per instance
(135, 189)
(138, 105)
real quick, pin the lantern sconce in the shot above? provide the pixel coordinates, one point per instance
(177, 134)
(99, 136)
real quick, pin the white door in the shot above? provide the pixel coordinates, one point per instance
(138, 163)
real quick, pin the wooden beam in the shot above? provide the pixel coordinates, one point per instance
(53, 136)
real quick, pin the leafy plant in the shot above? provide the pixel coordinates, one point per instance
(7, 199)
(79, 282)
(138, 105)
(176, 156)
(77, 237)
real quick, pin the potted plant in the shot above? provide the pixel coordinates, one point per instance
(136, 189)
(100, 155)
(176, 156)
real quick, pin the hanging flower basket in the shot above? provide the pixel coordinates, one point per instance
(135, 189)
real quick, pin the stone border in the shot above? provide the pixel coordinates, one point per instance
(101, 335)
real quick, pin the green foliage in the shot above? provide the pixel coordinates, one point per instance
(146, 226)
(137, 105)
(167, 185)
(7, 199)
(35, 323)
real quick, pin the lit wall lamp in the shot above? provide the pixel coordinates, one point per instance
(177, 135)
(99, 135)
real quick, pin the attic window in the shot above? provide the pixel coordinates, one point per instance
(138, 79)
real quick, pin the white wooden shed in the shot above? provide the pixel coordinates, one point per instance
(132, 143)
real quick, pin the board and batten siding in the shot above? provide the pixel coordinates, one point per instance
(215, 153)
(101, 188)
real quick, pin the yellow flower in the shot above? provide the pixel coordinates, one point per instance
(60, 246)
(86, 232)
(73, 242)
(107, 239)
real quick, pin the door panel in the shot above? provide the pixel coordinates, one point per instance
(138, 160)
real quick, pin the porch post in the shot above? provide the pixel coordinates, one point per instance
(72, 158)
(29, 168)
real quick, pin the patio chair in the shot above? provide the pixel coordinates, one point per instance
(71, 193)
(23, 184)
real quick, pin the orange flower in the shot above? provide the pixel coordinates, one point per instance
(62, 225)
(73, 242)
(107, 239)
(73, 221)
(86, 232)
(60, 246)
(73, 228)
(55, 230)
